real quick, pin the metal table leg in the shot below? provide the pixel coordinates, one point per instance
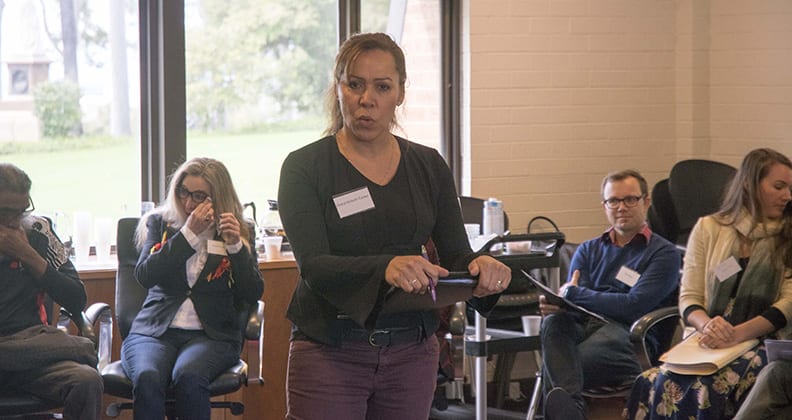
(481, 369)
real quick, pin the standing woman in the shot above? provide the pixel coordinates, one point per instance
(199, 268)
(357, 207)
(735, 286)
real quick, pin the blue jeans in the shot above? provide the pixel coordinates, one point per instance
(185, 360)
(576, 351)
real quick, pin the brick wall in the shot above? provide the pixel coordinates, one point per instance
(562, 92)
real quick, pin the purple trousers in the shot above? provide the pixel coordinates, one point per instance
(358, 381)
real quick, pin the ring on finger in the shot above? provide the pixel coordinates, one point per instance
(208, 218)
(413, 281)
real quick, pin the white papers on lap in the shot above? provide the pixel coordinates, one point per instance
(689, 358)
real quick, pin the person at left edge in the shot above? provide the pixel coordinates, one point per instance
(357, 206)
(198, 267)
(34, 262)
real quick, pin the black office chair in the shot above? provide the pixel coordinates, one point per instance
(661, 216)
(129, 298)
(23, 405)
(697, 187)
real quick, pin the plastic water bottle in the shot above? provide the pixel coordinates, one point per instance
(105, 340)
(492, 216)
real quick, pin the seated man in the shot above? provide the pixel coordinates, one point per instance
(622, 274)
(34, 357)
(771, 395)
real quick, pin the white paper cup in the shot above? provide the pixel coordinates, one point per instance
(272, 246)
(532, 325)
(81, 236)
(103, 237)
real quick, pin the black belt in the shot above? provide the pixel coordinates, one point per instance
(385, 337)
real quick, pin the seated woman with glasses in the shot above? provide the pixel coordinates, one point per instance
(198, 266)
(736, 286)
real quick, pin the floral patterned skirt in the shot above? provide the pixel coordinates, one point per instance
(662, 394)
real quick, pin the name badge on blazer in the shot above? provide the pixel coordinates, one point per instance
(353, 202)
(216, 247)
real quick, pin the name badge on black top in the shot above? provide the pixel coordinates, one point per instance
(353, 202)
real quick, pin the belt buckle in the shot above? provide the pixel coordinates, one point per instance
(373, 338)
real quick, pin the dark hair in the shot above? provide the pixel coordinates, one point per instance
(743, 191)
(13, 179)
(347, 54)
(622, 175)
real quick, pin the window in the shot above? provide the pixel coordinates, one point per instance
(257, 77)
(256, 80)
(248, 104)
(77, 146)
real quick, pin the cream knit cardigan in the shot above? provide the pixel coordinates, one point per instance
(711, 243)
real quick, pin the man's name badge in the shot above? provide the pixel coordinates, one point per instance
(727, 268)
(216, 247)
(353, 202)
(628, 276)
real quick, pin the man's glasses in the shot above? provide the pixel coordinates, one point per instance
(629, 201)
(7, 213)
(197, 196)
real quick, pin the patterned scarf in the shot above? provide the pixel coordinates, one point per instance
(761, 280)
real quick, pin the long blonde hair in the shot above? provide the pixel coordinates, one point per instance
(347, 54)
(221, 189)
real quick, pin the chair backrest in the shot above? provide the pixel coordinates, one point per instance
(129, 294)
(472, 212)
(662, 214)
(697, 188)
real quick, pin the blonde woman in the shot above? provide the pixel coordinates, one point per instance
(736, 286)
(198, 267)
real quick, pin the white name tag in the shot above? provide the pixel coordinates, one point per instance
(628, 276)
(216, 247)
(727, 268)
(353, 202)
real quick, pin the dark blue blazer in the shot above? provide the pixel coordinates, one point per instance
(217, 301)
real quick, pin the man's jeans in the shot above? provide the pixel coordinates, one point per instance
(581, 353)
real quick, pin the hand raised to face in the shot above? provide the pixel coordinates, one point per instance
(202, 217)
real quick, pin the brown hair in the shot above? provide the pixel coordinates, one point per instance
(743, 191)
(347, 54)
(622, 175)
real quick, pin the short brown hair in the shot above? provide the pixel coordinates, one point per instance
(622, 175)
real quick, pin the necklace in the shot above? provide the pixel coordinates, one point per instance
(368, 167)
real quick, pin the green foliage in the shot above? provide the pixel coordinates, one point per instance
(269, 55)
(57, 106)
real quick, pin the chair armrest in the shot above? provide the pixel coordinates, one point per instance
(86, 321)
(96, 311)
(255, 321)
(641, 327)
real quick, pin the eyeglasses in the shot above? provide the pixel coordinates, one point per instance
(7, 213)
(629, 201)
(197, 196)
